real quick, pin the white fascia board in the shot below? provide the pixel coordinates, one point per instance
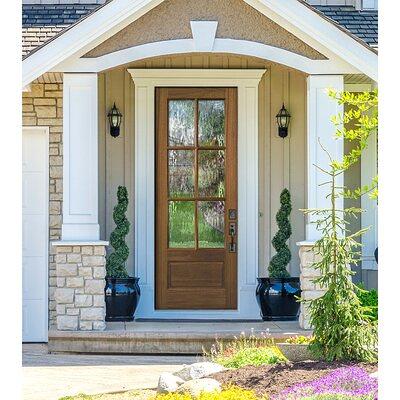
(308, 26)
(87, 34)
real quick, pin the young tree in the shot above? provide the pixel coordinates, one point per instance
(115, 262)
(278, 263)
(342, 327)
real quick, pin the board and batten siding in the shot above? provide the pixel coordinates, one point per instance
(282, 162)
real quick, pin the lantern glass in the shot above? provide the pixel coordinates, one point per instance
(114, 118)
(283, 117)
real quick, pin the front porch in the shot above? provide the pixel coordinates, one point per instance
(165, 337)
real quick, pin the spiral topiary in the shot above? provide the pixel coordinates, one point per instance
(278, 263)
(115, 262)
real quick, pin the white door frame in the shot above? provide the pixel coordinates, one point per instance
(45, 130)
(146, 80)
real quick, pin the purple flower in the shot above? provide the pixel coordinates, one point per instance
(350, 381)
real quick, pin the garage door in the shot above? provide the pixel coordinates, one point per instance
(34, 234)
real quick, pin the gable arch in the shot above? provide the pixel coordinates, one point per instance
(188, 46)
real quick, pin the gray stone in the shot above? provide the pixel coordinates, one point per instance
(83, 300)
(168, 383)
(92, 314)
(66, 270)
(93, 261)
(67, 322)
(99, 325)
(64, 296)
(75, 282)
(198, 370)
(85, 325)
(94, 286)
(99, 272)
(196, 386)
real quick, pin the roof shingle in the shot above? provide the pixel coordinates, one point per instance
(362, 23)
(40, 22)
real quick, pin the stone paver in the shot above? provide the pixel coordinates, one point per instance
(51, 376)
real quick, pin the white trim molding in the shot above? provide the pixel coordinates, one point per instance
(80, 167)
(146, 80)
(188, 46)
(292, 15)
(321, 108)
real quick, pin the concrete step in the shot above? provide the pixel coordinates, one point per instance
(165, 337)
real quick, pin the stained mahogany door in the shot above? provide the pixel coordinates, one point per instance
(196, 198)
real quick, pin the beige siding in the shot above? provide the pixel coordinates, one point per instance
(282, 162)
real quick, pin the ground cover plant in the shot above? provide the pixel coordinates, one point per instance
(272, 380)
(342, 327)
(230, 393)
(246, 350)
(353, 382)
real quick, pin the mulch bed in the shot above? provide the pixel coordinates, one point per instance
(272, 379)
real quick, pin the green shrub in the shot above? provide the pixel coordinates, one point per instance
(253, 356)
(115, 264)
(278, 263)
(369, 298)
(246, 350)
(232, 393)
(299, 340)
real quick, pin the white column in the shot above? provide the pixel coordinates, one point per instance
(369, 218)
(320, 128)
(80, 171)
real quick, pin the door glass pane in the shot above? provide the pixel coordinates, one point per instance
(211, 122)
(181, 122)
(211, 224)
(181, 173)
(181, 224)
(211, 172)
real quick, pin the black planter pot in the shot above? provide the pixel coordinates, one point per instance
(122, 297)
(277, 298)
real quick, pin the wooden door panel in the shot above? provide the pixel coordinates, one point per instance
(196, 186)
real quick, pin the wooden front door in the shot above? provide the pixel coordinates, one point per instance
(196, 204)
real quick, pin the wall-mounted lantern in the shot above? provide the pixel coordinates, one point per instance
(114, 118)
(283, 119)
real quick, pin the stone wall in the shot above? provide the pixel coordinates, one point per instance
(42, 106)
(309, 290)
(80, 272)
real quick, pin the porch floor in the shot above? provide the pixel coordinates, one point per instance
(165, 337)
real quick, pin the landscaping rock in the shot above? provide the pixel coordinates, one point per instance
(168, 383)
(199, 370)
(196, 386)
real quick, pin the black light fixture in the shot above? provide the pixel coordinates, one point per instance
(114, 118)
(283, 119)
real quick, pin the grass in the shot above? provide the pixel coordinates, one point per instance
(129, 395)
(245, 350)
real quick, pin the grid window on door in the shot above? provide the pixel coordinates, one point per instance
(196, 173)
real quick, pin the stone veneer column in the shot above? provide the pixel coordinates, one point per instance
(309, 290)
(80, 272)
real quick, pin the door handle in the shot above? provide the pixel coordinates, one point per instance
(232, 234)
